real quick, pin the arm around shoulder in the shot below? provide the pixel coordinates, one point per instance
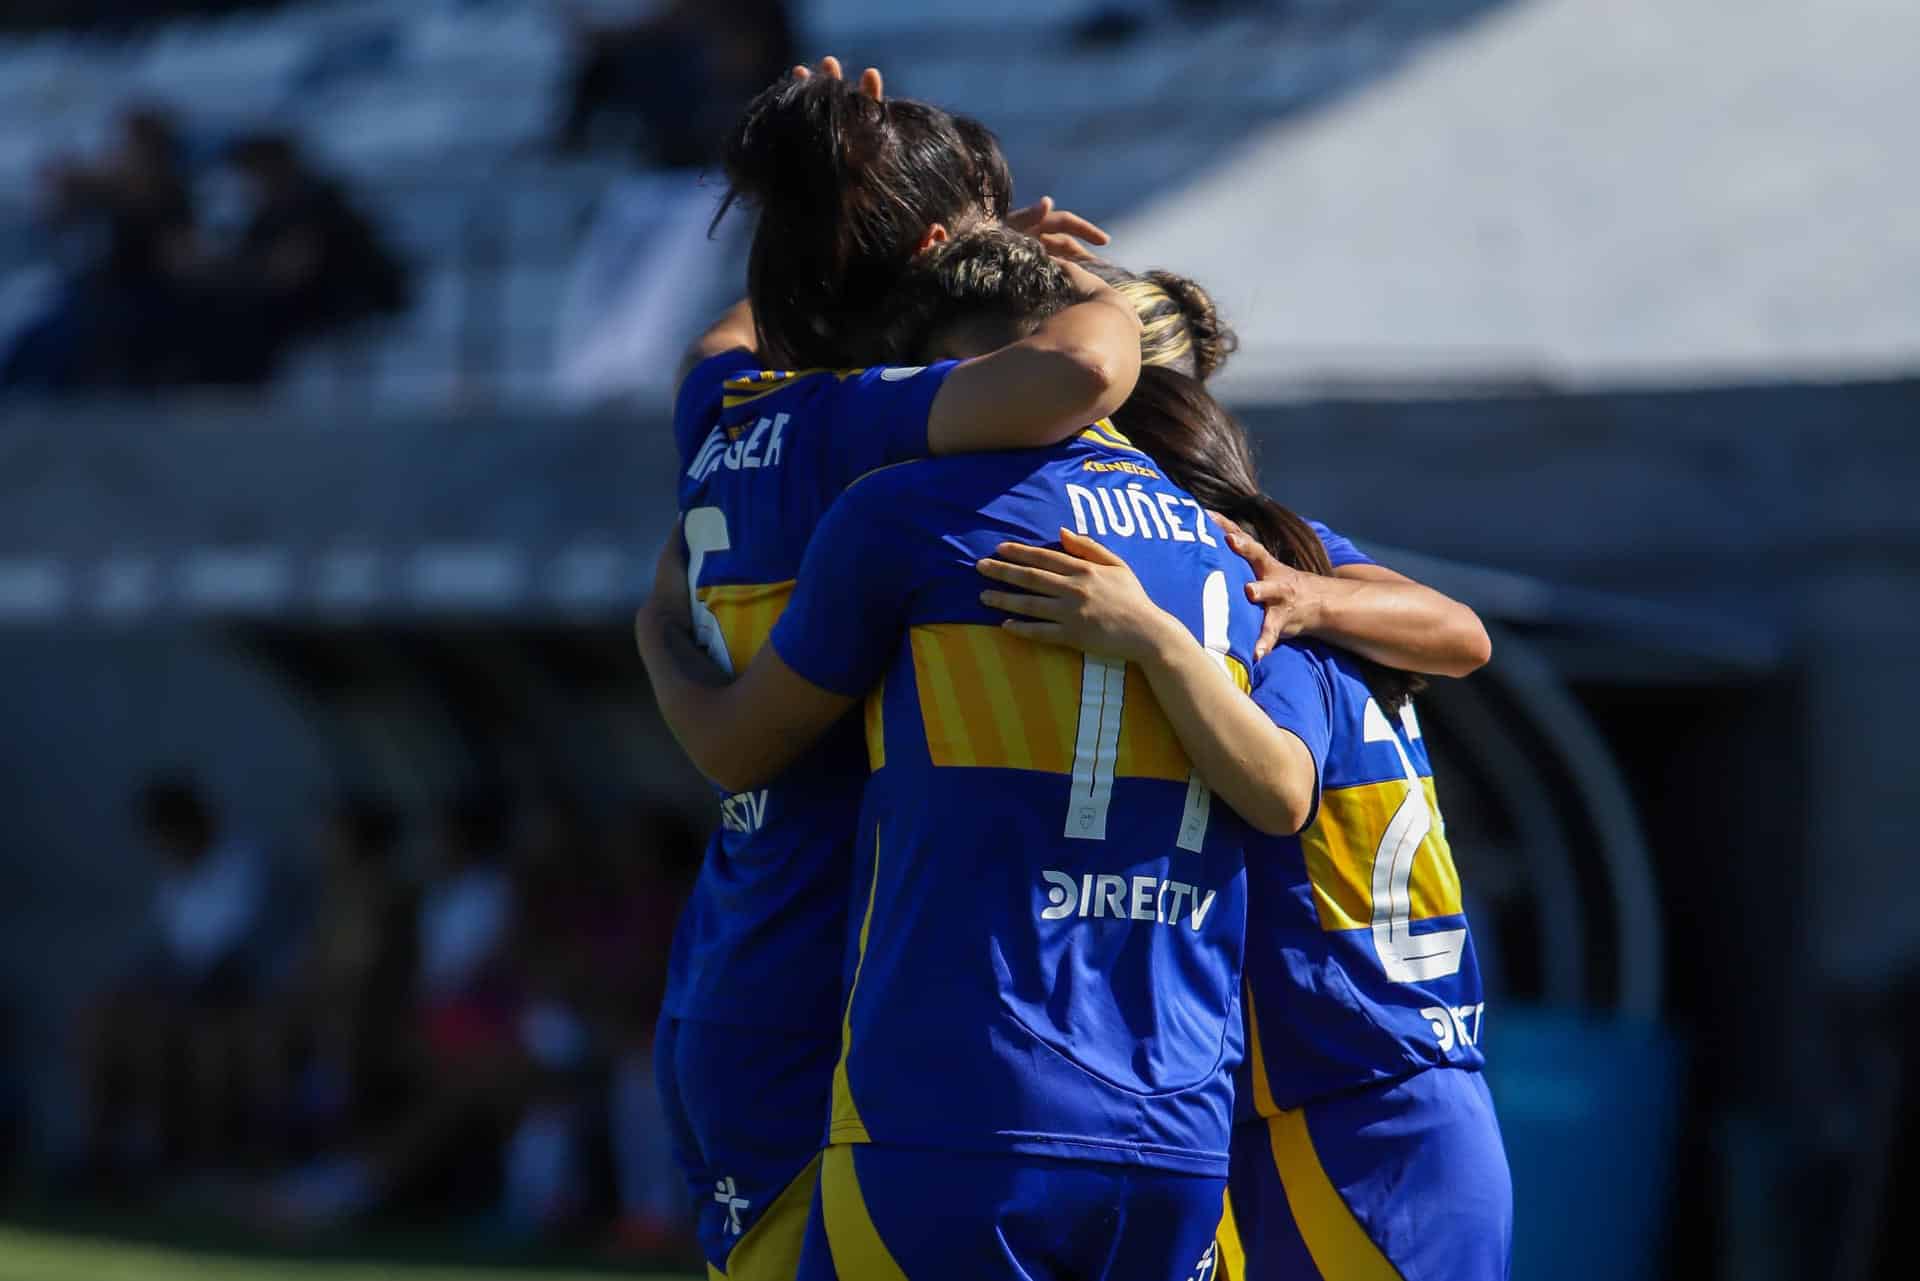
(1402, 623)
(740, 733)
(1080, 365)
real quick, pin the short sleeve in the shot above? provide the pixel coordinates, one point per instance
(1290, 686)
(849, 607)
(879, 417)
(1340, 549)
(696, 408)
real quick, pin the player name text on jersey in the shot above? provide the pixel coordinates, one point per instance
(1137, 512)
(745, 451)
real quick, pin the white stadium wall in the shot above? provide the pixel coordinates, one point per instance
(1584, 192)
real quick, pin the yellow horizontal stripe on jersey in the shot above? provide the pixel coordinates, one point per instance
(746, 613)
(979, 676)
(989, 698)
(1340, 848)
(1148, 748)
(945, 717)
(876, 714)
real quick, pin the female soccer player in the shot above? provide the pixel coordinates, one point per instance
(1033, 1076)
(847, 187)
(768, 728)
(1375, 1154)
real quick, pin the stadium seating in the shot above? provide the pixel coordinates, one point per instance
(435, 113)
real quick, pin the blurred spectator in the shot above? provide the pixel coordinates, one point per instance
(655, 854)
(465, 921)
(539, 979)
(162, 1050)
(306, 263)
(340, 1030)
(146, 302)
(675, 79)
(124, 228)
(594, 947)
(568, 909)
(470, 1072)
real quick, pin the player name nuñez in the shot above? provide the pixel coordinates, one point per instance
(740, 449)
(1136, 512)
(1138, 898)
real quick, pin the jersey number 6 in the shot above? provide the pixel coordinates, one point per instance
(706, 531)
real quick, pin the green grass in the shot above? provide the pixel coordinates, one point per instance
(34, 1254)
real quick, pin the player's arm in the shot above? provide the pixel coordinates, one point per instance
(739, 733)
(831, 645)
(734, 331)
(1079, 366)
(1366, 608)
(1087, 598)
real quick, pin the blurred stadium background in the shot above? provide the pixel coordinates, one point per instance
(341, 839)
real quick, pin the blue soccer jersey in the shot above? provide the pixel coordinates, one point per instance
(763, 455)
(1340, 548)
(1050, 905)
(1360, 965)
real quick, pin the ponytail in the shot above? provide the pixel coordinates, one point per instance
(1180, 325)
(845, 188)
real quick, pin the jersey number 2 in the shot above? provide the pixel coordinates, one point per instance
(1096, 749)
(1406, 957)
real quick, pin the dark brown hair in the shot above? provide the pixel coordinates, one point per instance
(1205, 451)
(846, 188)
(986, 288)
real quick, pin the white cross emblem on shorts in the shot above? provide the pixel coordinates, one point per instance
(726, 1194)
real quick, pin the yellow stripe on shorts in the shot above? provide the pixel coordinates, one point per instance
(1231, 1257)
(1341, 1248)
(858, 1251)
(770, 1250)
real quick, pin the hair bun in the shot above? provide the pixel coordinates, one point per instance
(1213, 340)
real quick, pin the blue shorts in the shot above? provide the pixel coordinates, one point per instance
(1403, 1181)
(747, 1112)
(902, 1214)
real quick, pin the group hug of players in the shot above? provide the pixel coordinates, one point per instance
(1081, 907)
